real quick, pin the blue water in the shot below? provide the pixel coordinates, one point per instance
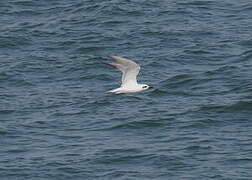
(57, 122)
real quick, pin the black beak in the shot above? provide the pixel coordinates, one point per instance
(151, 87)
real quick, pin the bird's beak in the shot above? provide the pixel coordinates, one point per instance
(151, 87)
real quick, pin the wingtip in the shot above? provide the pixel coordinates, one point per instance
(108, 57)
(111, 57)
(104, 57)
(109, 64)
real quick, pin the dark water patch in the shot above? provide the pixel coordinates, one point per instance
(24, 13)
(246, 43)
(68, 43)
(79, 8)
(91, 49)
(3, 131)
(37, 124)
(101, 77)
(197, 52)
(241, 87)
(104, 102)
(40, 33)
(69, 114)
(111, 159)
(113, 22)
(69, 136)
(198, 148)
(19, 81)
(13, 41)
(123, 174)
(240, 106)
(131, 98)
(158, 92)
(177, 79)
(246, 7)
(17, 150)
(186, 83)
(202, 33)
(241, 160)
(121, 151)
(197, 3)
(24, 3)
(227, 70)
(138, 125)
(7, 111)
(204, 122)
(180, 77)
(246, 56)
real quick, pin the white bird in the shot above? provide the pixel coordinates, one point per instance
(129, 70)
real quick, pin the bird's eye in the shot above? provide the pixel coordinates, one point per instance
(144, 87)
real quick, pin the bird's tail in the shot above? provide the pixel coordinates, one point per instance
(114, 91)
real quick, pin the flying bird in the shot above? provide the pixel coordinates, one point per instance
(129, 70)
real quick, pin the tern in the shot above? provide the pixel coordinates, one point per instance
(129, 70)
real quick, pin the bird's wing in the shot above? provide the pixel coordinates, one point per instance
(129, 68)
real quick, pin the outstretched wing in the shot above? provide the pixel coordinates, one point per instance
(129, 68)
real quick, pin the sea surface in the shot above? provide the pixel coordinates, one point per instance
(58, 123)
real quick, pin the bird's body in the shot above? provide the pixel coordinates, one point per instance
(130, 70)
(133, 89)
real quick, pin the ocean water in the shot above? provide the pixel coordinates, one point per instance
(57, 122)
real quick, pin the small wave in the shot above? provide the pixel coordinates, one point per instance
(196, 3)
(71, 113)
(236, 107)
(4, 76)
(103, 77)
(67, 43)
(158, 92)
(179, 77)
(7, 111)
(247, 55)
(181, 80)
(197, 52)
(139, 125)
(101, 102)
(113, 22)
(3, 131)
(21, 82)
(239, 160)
(13, 41)
(125, 150)
(90, 49)
(25, 13)
(242, 87)
(200, 123)
(198, 147)
(223, 69)
(246, 8)
(24, 3)
(123, 158)
(17, 150)
(240, 106)
(246, 43)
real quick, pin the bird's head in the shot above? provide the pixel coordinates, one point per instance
(145, 86)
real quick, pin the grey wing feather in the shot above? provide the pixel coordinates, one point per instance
(125, 61)
(129, 68)
(118, 66)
